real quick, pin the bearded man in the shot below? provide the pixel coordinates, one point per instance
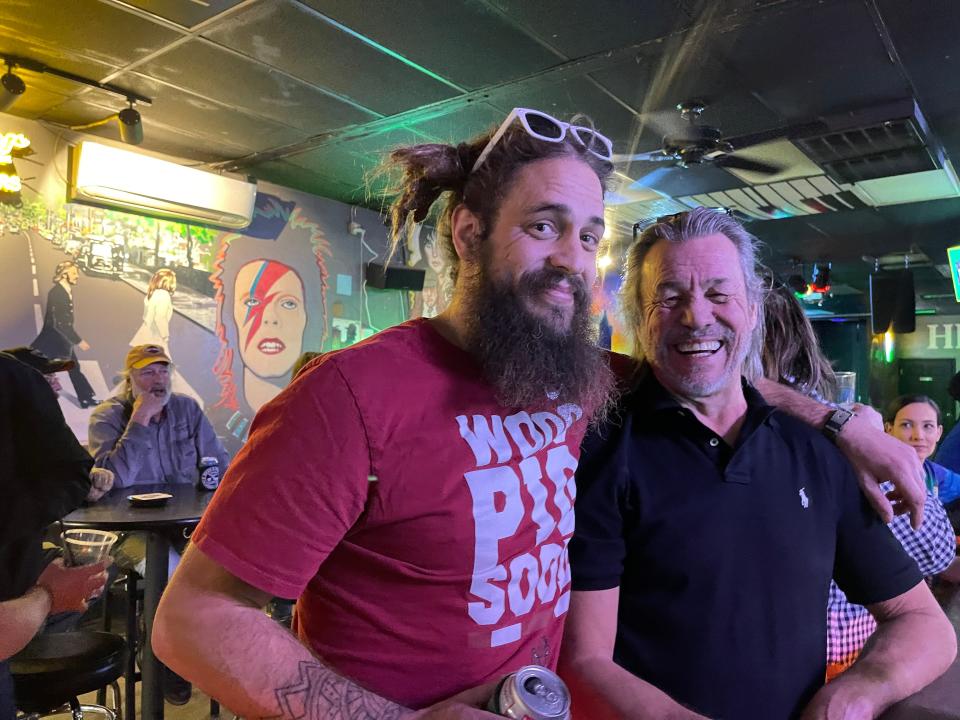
(709, 524)
(387, 488)
(147, 434)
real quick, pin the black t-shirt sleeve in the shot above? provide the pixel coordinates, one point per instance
(598, 547)
(871, 565)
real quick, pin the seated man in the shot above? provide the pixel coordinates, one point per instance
(150, 435)
(709, 525)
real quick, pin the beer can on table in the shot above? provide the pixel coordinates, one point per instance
(209, 474)
(531, 693)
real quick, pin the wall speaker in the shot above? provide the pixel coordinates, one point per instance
(394, 278)
(893, 302)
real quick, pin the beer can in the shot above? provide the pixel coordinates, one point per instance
(209, 474)
(531, 693)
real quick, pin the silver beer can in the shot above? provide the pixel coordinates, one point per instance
(531, 693)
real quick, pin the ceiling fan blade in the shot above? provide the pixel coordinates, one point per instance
(739, 163)
(786, 132)
(651, 178)
(652, 156)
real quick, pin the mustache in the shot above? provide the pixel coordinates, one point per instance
(724, 334)
(534, 282)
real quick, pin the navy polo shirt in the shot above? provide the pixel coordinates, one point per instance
(724, 556)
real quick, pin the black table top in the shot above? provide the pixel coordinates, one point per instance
(114, 512)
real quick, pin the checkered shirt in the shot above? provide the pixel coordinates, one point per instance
(933, 546)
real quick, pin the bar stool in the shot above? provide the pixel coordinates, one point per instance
(53, 670)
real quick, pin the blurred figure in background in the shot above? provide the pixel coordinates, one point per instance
(949, 453)
(44, 473)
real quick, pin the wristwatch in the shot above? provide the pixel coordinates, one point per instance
(838, 418)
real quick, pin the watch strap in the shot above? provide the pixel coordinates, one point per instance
(838, 418)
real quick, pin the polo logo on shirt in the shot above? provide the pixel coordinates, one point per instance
(513, 578)
(804, 500)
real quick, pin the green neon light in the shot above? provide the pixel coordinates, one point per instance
(925, 311)
(392, 53)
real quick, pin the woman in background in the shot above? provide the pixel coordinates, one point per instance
(915, 420)
(157, 311)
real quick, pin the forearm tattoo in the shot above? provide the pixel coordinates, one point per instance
(321, 694)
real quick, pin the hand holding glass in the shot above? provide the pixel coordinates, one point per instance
(84, 546)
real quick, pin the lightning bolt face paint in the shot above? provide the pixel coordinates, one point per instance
(270, 315)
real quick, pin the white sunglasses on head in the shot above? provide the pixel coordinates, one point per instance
(546, 127)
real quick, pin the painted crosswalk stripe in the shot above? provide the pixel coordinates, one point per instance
(37, 316)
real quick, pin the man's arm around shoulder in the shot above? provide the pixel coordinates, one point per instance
(595, 680)
(913, 645)
(210, 628)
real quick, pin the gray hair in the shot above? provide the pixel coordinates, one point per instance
(126, 381)
(686, 226)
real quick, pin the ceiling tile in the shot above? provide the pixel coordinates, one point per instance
(86, 38)
(185, 12)
(176, 108)
(801, 71)
(292, 37)
(463, 124)
(577, 30)
(425, 31)
(202, 68)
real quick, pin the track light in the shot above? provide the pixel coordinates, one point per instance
(12, 88)
(131, 129)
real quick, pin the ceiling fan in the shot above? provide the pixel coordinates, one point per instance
(698, 144)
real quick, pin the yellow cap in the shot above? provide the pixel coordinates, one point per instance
(142, 355)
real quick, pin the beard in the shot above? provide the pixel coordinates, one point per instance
(158, 389)
(536, 362)
(695, 384)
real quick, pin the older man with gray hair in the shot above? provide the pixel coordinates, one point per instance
(709, 524)
(148, 434)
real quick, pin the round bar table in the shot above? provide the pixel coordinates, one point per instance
(114, 512)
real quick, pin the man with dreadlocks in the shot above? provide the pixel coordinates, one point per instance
(393, 510)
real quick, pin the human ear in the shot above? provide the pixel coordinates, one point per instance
(465, 230)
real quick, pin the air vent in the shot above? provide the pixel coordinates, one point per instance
(885, 148)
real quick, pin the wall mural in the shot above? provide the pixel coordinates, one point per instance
(234, 309)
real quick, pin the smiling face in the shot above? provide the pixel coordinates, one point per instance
(270, 315)
(697, 320)
(544, 241)
(916, 424)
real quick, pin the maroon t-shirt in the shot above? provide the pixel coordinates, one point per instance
(423, 526)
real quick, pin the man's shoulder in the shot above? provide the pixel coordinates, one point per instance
(390, 354)
(111, 406)
(797, 433)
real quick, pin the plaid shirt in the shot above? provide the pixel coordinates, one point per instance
(933, 546)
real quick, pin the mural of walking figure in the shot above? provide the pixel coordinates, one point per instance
(58, 337)
(157, 311)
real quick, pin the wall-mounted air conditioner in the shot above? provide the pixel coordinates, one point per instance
(120, 179)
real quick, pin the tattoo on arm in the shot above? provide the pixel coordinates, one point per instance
(322, 694)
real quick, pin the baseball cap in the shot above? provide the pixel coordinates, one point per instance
(142, 355)
(38, 361)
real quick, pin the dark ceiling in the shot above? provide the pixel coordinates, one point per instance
(309, 93)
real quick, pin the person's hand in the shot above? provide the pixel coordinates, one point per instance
(101, 481)
(464, 706)
(83, 345)
(869, 414)
(145, 407)
(878, 458)
(71, 587)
